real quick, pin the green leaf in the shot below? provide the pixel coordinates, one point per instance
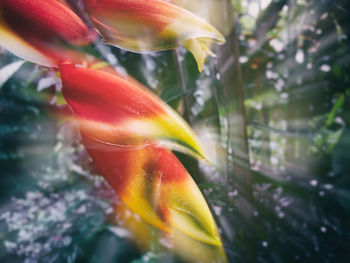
(332, 114)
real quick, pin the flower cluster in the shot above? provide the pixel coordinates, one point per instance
(125, 128)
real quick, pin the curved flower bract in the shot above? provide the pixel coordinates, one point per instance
(216, 12)
(40, 30)
(142, 234)
(152, 182)
(119, 111)
(152, 25)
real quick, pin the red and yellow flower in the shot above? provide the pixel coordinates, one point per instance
(143, 235)
(40, 30)
(119, 111)
(149, 179)
(152, 25)
(122, 123)
(152, 182)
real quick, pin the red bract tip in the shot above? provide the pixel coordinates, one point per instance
(39, 30)
(116, 110)
(153, 25)
(155, 185)
(45, 20)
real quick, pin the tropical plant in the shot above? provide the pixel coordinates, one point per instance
(120, 120)
(270, 114)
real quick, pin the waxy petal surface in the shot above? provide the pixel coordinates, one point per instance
(40, 30)
(154, 184)
(119, 111)
(184, 246)
(151, 25)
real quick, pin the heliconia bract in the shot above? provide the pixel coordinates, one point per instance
(40, 30)
(143, 235)
(123, 125)
(152, 182)
(152, 25)
(119, 111)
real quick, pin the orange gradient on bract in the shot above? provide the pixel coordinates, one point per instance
(41, 31)
(144, 236)
(152, 182)
(117, 110)
(152, 25)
